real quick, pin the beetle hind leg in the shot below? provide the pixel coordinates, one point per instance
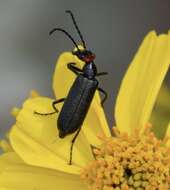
(105, 95)
(72, 144)
(53, 105)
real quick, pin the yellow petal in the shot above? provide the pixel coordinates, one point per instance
(95, 121)
(5, 146)
(95, 124)
(168, 134)
(15, 175)
(63, 78)
(35, 139)
(9, 158)
(142, 82)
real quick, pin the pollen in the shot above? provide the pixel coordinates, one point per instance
(129, 162)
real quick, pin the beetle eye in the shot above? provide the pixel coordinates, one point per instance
(81, 56)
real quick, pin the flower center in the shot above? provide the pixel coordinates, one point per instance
(123, 162)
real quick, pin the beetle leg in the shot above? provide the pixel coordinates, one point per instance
(73, 68)
(105, 95)
(53, 104)
(72, 143)
(101, 74)
(92, 149)
(56, 102)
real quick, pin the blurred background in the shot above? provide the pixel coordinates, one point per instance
(112, 29)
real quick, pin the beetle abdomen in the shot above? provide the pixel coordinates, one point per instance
(76, 105)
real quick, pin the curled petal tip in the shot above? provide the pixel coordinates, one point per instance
(34, 94)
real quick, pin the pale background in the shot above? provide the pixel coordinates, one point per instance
(113, 29)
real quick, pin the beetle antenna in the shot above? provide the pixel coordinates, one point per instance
(77, 28)
(66, 33)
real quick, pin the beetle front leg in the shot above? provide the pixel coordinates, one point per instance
(53, 105)
(101, 74)
(105, 95)
(74, 69)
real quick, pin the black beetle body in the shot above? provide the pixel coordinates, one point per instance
(76, 105)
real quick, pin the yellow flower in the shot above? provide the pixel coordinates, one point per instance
(133, 158)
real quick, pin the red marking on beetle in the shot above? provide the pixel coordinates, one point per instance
(89, 58)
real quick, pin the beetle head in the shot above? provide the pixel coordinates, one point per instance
(85, 55)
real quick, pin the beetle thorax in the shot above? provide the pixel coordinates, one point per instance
(89, 70)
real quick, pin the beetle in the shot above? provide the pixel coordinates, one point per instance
(81, 93)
